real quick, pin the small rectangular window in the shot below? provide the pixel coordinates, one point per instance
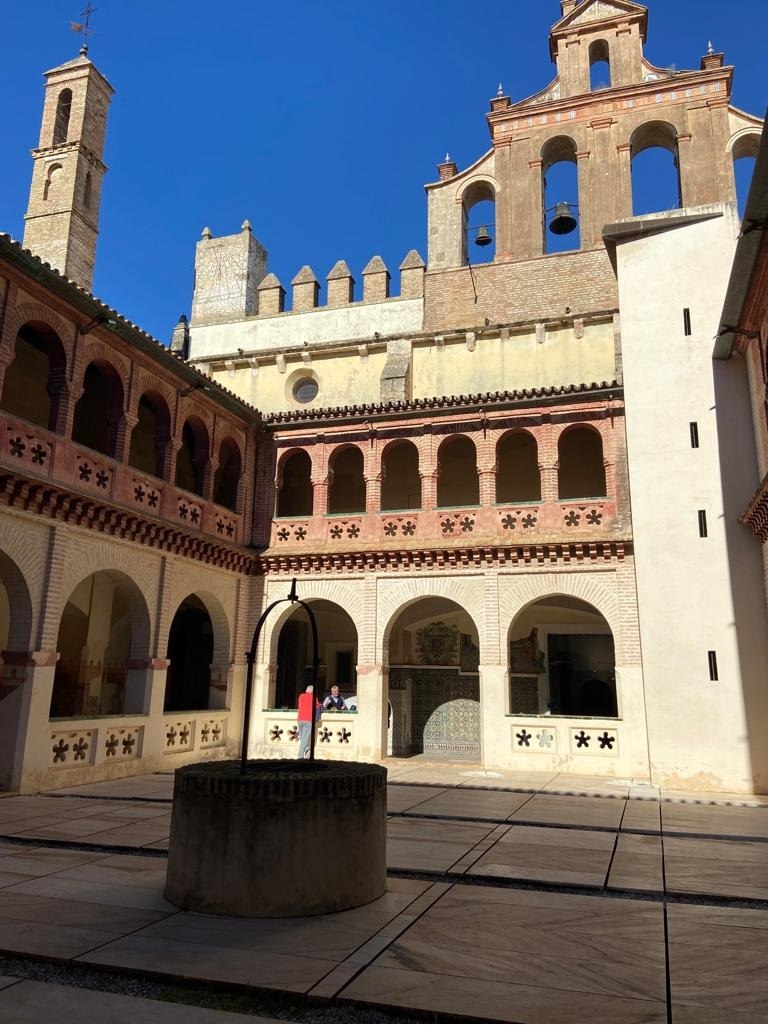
(702, 523)
(694, 434)
(712, 659)
(686, 321)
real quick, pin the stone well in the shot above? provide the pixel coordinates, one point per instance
(289, 838)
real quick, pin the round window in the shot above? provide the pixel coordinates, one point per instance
(305, 389)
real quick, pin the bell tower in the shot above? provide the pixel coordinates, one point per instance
(61, 223)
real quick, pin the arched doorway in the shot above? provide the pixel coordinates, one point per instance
(337, 651)
(562, 660)
(434, 685)
(190, 656)
(104, 624)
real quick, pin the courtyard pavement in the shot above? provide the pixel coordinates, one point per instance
(513, 898)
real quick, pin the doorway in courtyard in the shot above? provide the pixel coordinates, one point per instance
(337, 650)
(434, 686)
(562, 660)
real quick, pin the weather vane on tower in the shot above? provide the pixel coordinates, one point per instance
(84, 27)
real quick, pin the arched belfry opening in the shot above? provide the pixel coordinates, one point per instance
(744, 155)
(562, 660)
(599, 65)
(560, 195)
(63, 111)
(434, 683)
(478, 211)
(656, 184)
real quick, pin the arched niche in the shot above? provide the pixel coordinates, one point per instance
(346, 488)
(151, 435)
(99, 409)
(655, 163)
(562, 661)
(295, 496)
(400, 478)
(518, 478)
(34, 383)
(457, 481)
(581, 468)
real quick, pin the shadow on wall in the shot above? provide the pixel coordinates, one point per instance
(739, 476)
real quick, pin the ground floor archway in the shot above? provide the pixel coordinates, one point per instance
(434, 685)
(190, 657)
(104, 623)
(337, 651)
(562, 660)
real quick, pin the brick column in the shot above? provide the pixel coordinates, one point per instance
(373, 494)
(27, 685)
(537, 208)
(319, 496)
(624, 151)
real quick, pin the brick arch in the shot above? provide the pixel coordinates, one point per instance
(285, 454)
(141, 626)
(22, 314)
(518, 592)
(347, 597)
(146, 382)
(95, 351)
(342, 447)
(190, 409)
(214, 606)
(19, 604)
(468, 592)
(28, 551)
(90, 558)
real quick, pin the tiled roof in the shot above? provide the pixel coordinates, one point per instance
(439, 402)
(96, 309)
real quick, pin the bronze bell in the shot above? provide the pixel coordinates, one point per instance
(563, 223)
(483, 237)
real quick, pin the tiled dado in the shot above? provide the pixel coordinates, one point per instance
(512, 523)
(335, 734)
(576, 739)
(70, 749)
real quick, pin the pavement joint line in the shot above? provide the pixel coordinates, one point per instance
(673, 897)
(615, 847)
(257, 1000)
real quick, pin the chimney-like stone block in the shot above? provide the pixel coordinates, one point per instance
(306, 290)
(447, 169)
(375, 281)
(271, 297)
(395, 382)
(712, 60)
(228, 272)
(566, 6)
(412, 276)
(341, 284)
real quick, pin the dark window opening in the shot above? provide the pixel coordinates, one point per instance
(346, 492)
(226, 480)
(457, 482)
(581, 472)
(712, 660)
(687, 321)
(99, 409)
(400, 479)
(702, 523)
(694, 434)
(295, 495)
(63, 110)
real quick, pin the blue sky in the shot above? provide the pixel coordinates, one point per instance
(320, 123)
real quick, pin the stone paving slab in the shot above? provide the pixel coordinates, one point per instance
(29, 1001)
